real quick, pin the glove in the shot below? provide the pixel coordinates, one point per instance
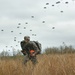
(32, 53)
(24, 52)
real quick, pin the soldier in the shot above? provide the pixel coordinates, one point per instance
(29, 49)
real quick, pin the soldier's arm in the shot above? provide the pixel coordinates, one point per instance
(22, 46)
(36, 48)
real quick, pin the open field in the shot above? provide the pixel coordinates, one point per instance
(54, 64)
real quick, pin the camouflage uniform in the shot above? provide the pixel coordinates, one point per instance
(27, 47)
(33, 59)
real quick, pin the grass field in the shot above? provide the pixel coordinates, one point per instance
(54, 64)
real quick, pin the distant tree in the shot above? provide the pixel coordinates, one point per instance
(18, 53)
(60, 50)
(4, 53)
(14, 51)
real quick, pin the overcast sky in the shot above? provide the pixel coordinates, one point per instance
(51, 22)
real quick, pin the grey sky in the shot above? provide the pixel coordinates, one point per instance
(13, 12)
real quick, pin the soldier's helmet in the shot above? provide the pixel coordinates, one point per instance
(26, 37)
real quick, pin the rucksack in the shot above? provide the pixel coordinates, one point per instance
(38, 45)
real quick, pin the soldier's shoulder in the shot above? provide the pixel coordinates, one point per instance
(31, 42)
(22, 41)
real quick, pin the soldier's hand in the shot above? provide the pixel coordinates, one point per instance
(23, 51)
(33, 54)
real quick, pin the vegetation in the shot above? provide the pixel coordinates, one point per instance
(60, 50)
(54, 61)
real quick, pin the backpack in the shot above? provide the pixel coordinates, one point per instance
(38, 45)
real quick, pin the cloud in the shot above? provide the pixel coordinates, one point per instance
(14, 12)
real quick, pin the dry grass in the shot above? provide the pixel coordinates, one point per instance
(54, 64)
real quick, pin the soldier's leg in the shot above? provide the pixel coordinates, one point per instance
(26, 58)
(34, 60)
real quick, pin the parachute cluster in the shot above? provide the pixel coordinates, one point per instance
(43, 21)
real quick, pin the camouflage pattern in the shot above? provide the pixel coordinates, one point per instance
(26, 47)
(22, 44)
(29, 46)
(33, 59)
